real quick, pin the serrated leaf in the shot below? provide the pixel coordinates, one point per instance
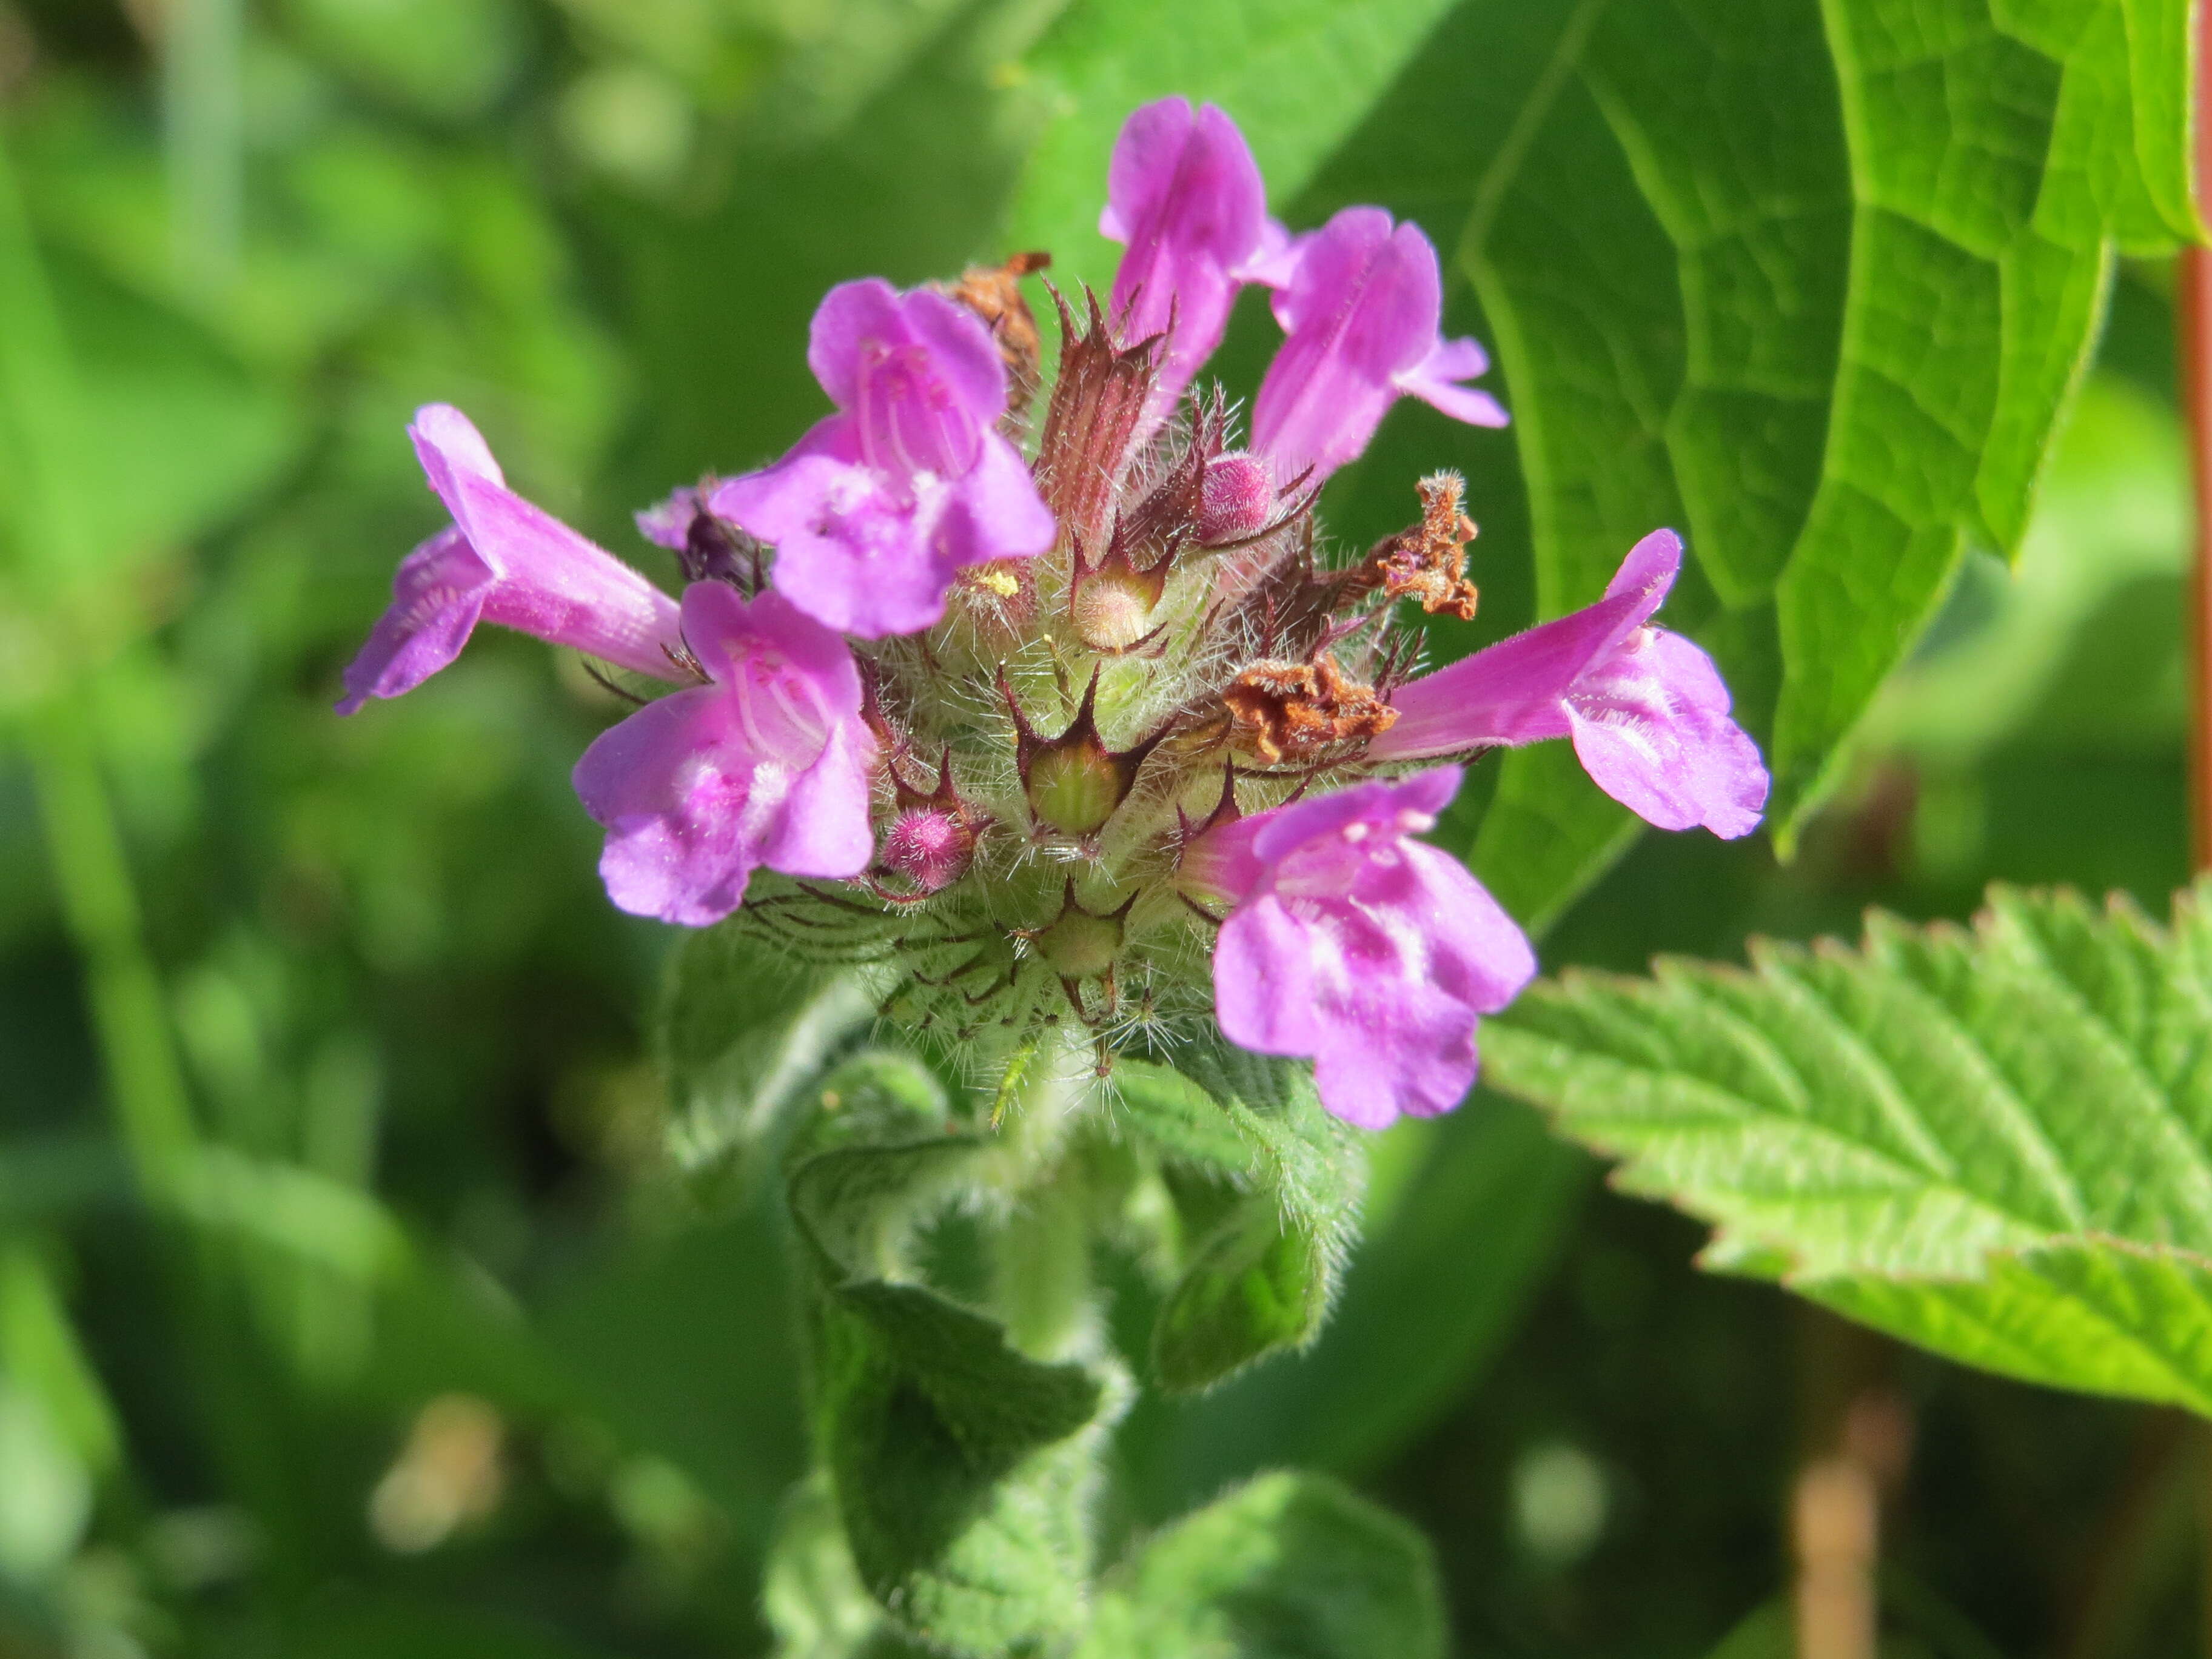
(1994, 1143)
(1260, 1276)
(963, 1469)
(1291, 1565)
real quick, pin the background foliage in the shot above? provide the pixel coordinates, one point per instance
(347, 1303)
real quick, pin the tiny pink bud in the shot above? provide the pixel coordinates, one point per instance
(1236, 498)
(928, 848)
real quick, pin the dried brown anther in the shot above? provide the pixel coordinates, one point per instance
(994, 293)
(1297, 712)
(1428, 562)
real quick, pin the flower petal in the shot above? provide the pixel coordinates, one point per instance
(961, 351)
(1478, 953)
(854, 315)
(437, 596)
(849, 552)
(1360, 311)
(667, 523)
(850, 314)
(1654, 732)
(821, 828)
(1412, 1056)
(1274, 262)
(556, 585)
(1647, 573)
(1514, 691)
(678, 797)
(1372, 953)
(449, 445)
(1263, 980)
(1186, 196)
(1001, 514)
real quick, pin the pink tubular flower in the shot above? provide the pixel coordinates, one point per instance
(876, 508)
(767, 764)
(667, 522)
(1646, 709)
(1184, 194)
(1361, 311)
(1351, 943)
(502, 561)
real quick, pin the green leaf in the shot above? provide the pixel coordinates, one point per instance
(1997, 1143)
(1261, 1276)
(1291, 1565)
(963, 1469)
(809, 1589)
(1809, 282)
(745, 1035)
(1297, 74)
(1432, 1293)
(40, 1353)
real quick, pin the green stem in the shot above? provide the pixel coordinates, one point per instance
(1041, 1264)
(1042, 1269)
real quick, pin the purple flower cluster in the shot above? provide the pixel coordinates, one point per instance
(792, 744)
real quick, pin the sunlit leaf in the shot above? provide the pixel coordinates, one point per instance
(962, 1469)
(1811, 282)
(1997, 1144)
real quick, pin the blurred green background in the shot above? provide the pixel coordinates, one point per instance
(423, 1357)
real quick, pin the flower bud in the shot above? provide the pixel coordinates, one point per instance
(930, 849)
(1073, 781)
(1075, 788)
(1238, 496)
(1112, 606)
(1079, 946)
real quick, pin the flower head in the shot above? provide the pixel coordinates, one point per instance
(950, 713)
(879, 507)
(1183, 193)
(502, 561)
(1646, 709)
(1361, 311)
(769, 763)
(1353, 944)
